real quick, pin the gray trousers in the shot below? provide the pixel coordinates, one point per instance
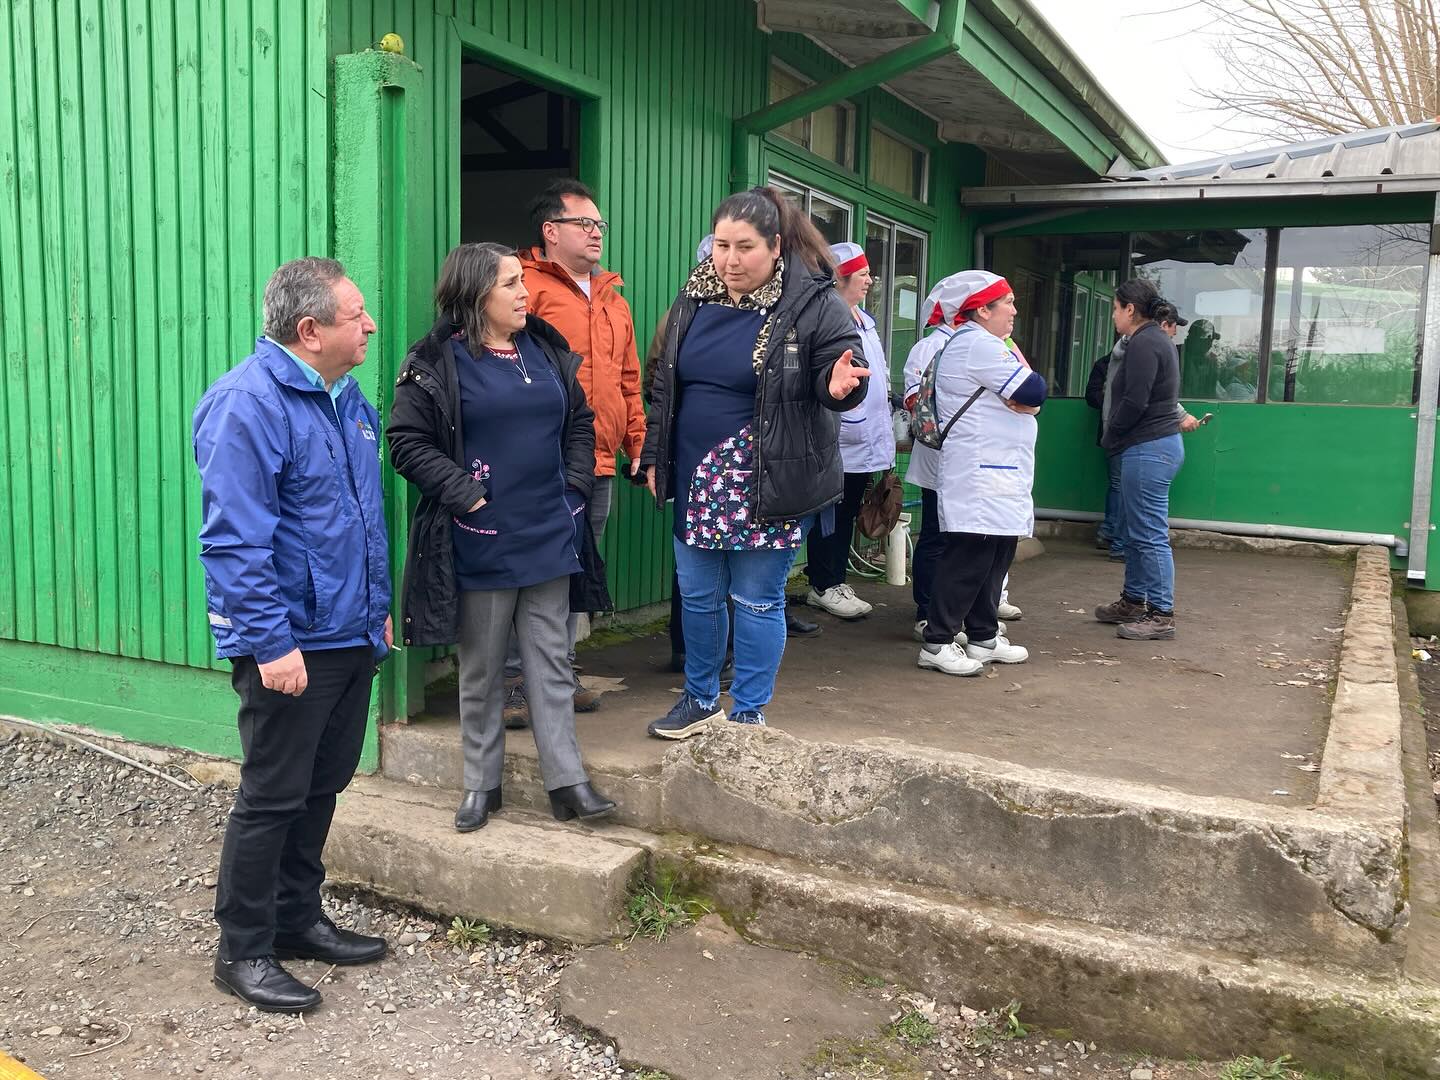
(598, 511)
(536, 615)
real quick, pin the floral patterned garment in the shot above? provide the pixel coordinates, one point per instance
(721, 511)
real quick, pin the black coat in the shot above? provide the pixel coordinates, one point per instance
(427, 447)
(796, 421)
(1144, 392)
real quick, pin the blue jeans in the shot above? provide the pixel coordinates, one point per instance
(1146, 471)
(1112, 529)
(755, 580)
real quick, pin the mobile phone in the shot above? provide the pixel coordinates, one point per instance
(1206, 418)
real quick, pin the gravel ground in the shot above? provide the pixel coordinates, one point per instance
(107, 880)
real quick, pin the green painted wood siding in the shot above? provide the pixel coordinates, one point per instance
(157, 161)
(673, 77)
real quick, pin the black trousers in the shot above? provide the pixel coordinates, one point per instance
(300, 752)
(968, 578)
(829, 556)
(927, 552)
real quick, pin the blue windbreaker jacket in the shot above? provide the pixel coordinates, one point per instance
(293, 538)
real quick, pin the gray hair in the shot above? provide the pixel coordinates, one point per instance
(299, 289)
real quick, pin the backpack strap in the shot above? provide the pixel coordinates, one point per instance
(968, 402)
(945, 433)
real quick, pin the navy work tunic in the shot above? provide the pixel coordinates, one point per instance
(525, 532)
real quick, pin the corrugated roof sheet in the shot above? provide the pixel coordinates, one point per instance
(1405, 150)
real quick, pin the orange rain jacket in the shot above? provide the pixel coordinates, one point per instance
(602, 331)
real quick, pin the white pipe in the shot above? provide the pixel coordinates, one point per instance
(1243, 528)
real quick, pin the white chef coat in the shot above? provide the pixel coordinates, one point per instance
(987, 465)
(924, 470)
(867, 438)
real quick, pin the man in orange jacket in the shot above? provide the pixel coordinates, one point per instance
(569, 291)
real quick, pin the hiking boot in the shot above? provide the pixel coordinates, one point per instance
(919, 633)
(687, 717)
(586, 700)
(753, 717)
(997, 651)
(840, 601)
(1009, 611)
(1152, 626)
(1123, 610)
(950, 659)
(516, 712)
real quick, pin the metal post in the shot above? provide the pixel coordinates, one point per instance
(1425, 411)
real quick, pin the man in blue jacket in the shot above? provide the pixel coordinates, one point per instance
(297, 585)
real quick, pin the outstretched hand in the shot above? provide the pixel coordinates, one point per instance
(845, 376)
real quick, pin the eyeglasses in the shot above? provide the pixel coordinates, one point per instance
(587, 225)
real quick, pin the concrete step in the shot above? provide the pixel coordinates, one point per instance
(1270, 881)
(1125, 989)
(521, 870)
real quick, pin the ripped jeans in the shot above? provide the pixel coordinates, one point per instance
(755, 580)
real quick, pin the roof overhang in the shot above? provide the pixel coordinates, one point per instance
(1111, 194)
(994, 74)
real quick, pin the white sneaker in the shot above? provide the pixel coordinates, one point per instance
(840, 601)
(919, 633)
(997, 650)
(1001, 629)
(1007, 610)
(950, 659)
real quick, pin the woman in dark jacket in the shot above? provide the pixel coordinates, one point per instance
(490, 423)
(1141, 415)
(743, 432)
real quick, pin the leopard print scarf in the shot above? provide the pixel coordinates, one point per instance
(706, 287)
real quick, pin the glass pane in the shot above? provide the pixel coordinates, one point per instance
(1047, 272)
(830, 134)
(783, 85)
(878, 240)
(905, 293)
(1216, 277)
(1347, 314)
(832, 219)
(1079, 333)
(896, 165)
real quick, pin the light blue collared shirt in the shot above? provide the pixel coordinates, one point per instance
(316, 380)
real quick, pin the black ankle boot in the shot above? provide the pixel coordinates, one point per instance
(475, 809)
(579, 800)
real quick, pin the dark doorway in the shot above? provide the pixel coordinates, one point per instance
(515, 137)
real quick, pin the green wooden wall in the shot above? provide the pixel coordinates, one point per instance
(156, 162)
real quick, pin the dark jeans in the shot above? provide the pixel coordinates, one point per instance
(829, 556)
(1112, 529)
(300, 752)
(927, 553)
(969, 576)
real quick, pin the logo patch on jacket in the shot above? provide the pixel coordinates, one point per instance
(365, 430)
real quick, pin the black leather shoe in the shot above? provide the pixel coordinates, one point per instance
(795, 626)
(262, 982)
(475, 809)
(329, 944)
(580, 800)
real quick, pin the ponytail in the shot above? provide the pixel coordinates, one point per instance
(1143, 295)
(771, 215)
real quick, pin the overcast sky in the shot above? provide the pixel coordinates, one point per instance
(1116, 39)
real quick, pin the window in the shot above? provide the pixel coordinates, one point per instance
(828, 132)
(897, 266)
(1347, 314)
(897, 164)
(1063, 289)
(831, 216)
(1216, 277)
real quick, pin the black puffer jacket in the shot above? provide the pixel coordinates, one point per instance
(796, 423)
(427, 447)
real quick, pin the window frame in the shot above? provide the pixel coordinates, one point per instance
(895, 136)
(852, 147)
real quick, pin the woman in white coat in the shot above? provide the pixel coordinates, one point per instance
(985, 473)
(867, 445)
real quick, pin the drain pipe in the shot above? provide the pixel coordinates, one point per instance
(1242, 528)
